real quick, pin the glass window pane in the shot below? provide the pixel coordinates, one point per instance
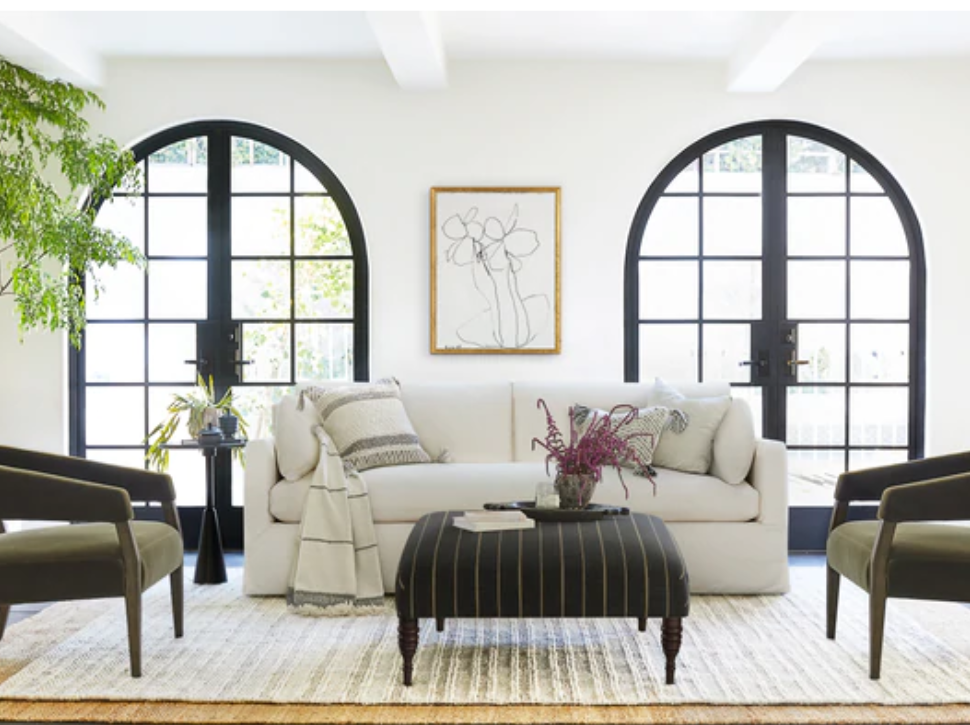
(875, 458)
(320, 230)
(669, 352)
(816, 416)
(734, 166)
(305, 182)
(130, 457)
(753, 396)
(115, 416)
(258, 167)
(879, 416)
(672, 229)
(324, 289)
(816, 226)
(159, 398)
(177, 290)
(813, 166)
(861, 180)
(668, 290)
(725, 348)
(732, 225)
(260, 226)
(812, 476)
(686, 181)
(324, 352)
(876, 228)
(180, 168)
(255, 405)
(880, 290)
(169, 346)
(816, 290)
(124, 215)
(880, 353)
(824, 347)
(114, 353)
(732, 290)
(123, 295)
(260, 289)
(187, 469)
(267, 347)
(178, 227)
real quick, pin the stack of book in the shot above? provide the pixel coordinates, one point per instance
(479, 521)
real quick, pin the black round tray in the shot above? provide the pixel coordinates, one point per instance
(593, 512)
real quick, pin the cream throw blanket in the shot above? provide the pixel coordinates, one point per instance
(337, 568)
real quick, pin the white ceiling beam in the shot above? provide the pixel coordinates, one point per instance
(40, 42)
(412, 46)
(777, 48)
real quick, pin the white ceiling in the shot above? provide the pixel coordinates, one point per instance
(80, 42)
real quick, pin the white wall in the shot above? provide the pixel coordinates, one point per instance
(601, 131)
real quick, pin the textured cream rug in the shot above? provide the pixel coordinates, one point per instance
(736, 651)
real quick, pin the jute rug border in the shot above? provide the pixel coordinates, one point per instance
(252, 714)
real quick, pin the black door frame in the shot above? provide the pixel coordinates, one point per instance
(219, 134)
(808, 523)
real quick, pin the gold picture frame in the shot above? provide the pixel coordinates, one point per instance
(495, 270)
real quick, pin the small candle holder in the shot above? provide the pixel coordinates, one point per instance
(546, 495)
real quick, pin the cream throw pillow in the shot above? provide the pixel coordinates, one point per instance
(643, 432)
(297, 448)
(691, 450)
(734, 444)
(368, 424)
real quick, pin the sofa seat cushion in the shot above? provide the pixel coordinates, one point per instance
(405, 493)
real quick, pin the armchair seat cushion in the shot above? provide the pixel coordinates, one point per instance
(927, 561)
(82, 561)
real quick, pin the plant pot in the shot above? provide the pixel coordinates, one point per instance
(209, 419)
(229, 424)
(575, 489)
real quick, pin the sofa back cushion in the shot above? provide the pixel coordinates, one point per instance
(530, 422)
(471, 421)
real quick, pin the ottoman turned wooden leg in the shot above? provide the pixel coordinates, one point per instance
(670, 635)
(642, 624)
(407, 639)
(440, 622)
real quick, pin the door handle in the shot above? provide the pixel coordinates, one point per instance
(753, 363)
(201, 362)
(793, 362)
(243, 362)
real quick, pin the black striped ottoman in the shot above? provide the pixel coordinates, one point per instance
(619, 566)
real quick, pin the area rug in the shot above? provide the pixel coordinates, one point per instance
(744, 659)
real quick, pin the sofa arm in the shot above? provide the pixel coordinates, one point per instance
(261, 476)
(769, 476)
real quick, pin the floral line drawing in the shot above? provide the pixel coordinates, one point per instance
(496, 253)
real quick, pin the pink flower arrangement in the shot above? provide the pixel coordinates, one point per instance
(601, 444)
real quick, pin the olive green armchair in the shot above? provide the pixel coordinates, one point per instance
(901, 554)
(106, 553)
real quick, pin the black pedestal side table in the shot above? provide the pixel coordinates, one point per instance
(210, 567)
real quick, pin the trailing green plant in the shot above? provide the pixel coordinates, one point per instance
(50, 172)
(192, 407)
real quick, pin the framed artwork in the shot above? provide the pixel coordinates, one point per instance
(495, 270)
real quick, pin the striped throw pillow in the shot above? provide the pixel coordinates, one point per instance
(369, 425)
(643, 432)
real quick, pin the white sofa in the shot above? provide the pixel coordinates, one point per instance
(733, 537)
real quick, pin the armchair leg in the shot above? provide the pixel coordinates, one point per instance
(133, 610)
(877, 622)
(832, 581)
(4, 613)
(177, 580)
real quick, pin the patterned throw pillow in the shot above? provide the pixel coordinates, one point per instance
(368, 424)
(643, 432)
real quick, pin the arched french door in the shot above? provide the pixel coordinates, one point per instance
(257, 276)
(786, 259)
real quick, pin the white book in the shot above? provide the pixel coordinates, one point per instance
(479, 527)
(495, 516)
